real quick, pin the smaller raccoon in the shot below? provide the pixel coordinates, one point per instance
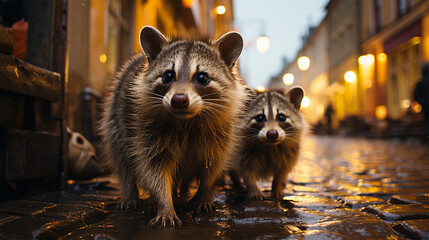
(271, 133)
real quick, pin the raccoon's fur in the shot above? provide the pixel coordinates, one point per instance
(172, 117)
(271, 133)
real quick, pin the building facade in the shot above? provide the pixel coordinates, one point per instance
(375, 50)
(396, 35)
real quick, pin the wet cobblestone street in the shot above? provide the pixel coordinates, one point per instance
(342, 188)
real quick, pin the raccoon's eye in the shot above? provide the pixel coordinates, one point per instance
(202, 78)
(260, 118)
(168, 77)
(281, 117)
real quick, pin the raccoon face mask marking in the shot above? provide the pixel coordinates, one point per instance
(191, 81)
(275, 115)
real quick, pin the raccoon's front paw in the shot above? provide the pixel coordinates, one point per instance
(255, 196)
(167, 219)
(129, 204)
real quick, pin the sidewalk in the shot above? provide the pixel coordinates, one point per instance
(342, 188)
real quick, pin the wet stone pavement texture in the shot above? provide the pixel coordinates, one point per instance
(342, 188)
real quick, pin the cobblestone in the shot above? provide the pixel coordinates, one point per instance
(342, 188)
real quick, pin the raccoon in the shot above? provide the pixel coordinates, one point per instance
(171, 119)
(271, 133)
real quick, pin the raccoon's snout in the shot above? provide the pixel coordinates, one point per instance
(272, 134)
(180, 101)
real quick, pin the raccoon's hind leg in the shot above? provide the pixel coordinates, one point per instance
(253, 192)
(278, 186)
(235, 179)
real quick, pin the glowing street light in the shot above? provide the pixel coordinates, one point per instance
(103, 58)
(263, 43)
(366, 59)
(350, 76)
(220, 10)
(303, 63)
(381, 112)
(288, 78)
(260, 88)
(382, 56)
(305, 102)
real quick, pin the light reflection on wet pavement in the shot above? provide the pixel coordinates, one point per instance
(342, 188)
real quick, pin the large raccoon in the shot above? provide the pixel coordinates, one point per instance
(271, 133)
(172, 117)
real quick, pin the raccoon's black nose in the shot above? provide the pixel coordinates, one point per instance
(272, 134)
(180, 101)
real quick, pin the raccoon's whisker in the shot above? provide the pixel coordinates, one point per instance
(157, 98)
(210, 94)
(217, 105)
(215, 99)
(156, 95)
(215, 111)
(251, 130)
(294, 140)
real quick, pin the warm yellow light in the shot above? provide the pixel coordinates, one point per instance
(362, 59)
(288, 78)
(220, 10)
(260, 88)
(305, 102)
(303, 63)
(103, 58)
(263, 44)
(350, 76)
(320, 109)
(368, 83)
(417, 108)
(188, 3)
(382, 57)
(366, 59)
(416, 40)
(405, 103)
(380, 112)
(370, 58)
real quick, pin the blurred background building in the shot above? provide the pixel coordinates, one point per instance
(365, 60)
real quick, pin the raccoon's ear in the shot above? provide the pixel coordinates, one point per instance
(230, 46)
(151, 41)
(295, 96)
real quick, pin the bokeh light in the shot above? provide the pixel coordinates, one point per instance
(303, 63)
(305, 102)
(220, 10)
(288, 78)
(103, 58)
(263, 44)
(260, 88)
(350, 76)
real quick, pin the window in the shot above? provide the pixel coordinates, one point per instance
(378, 14)
(403, 7)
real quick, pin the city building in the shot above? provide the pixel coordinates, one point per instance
(395, 36)
(375, 50)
